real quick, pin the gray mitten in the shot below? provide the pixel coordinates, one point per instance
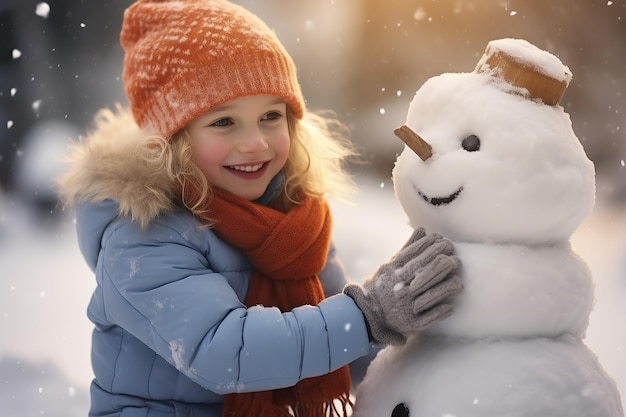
(405, 295)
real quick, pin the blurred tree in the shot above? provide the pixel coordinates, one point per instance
(66, 68)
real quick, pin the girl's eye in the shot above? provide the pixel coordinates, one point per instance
(471, 143)
(273, 115)
(222, 123)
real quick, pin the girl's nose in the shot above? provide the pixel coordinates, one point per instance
(253, 141)
(414, 141)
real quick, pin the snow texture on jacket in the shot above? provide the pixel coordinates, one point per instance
(172, 334)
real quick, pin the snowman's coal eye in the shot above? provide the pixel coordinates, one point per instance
(471, 143)
(400, 410)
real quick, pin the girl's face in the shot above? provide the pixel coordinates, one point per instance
(242, 144)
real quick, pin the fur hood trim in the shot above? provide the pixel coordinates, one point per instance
(111, 163)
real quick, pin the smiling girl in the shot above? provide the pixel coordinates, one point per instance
(202, 213)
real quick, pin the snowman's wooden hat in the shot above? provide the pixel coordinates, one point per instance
(524, 66)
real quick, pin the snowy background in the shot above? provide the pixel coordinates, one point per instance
(60, 61)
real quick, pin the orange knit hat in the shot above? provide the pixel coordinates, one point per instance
(184, 57)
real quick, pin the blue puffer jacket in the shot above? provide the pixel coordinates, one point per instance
(172, 334)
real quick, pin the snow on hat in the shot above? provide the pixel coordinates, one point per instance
(521, 64)
(184, 57)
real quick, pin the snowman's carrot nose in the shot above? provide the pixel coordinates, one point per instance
(414, 141)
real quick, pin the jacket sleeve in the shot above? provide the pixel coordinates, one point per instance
(333, 279)
(158, 285)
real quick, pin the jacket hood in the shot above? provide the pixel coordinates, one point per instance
(110, 163)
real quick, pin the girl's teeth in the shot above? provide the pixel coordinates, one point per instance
(248, 168)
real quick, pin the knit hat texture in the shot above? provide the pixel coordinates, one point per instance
(185, 57)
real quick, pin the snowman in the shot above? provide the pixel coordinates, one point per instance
(493, 164)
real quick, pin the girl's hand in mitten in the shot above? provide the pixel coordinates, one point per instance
(407, 293)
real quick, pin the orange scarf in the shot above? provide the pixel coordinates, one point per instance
(287, 252)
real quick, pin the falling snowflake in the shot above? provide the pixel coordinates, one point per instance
(42, 10)
(419, 14)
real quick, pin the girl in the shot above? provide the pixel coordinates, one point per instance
(202, 213)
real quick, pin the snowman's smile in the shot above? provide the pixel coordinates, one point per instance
(440, 201)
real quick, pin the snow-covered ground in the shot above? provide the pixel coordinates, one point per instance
(45, 287)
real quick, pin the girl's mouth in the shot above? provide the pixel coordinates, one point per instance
(249, 171)
(247, 168)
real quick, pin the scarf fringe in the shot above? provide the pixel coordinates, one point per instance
(336, 408)
(339, 407)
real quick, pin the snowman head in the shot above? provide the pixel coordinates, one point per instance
(495, 159)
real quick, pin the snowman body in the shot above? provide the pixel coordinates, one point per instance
(518, 356)
(508, 182)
